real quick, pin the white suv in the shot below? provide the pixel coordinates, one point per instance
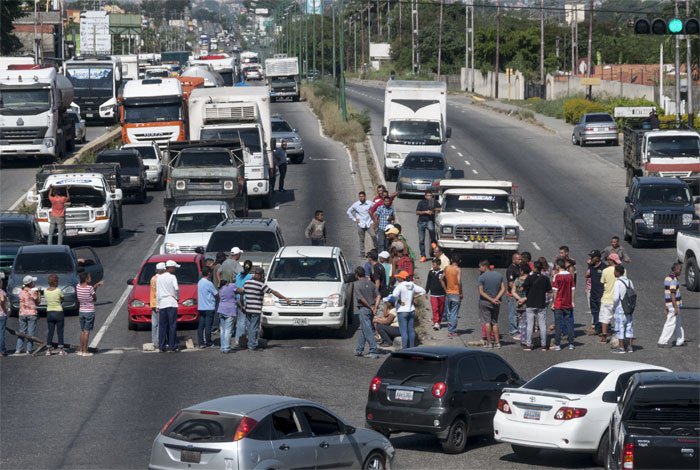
(313, 278)
(191, 226)
(153, 161)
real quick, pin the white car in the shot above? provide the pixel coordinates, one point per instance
(566, 407)
(191, 226)
(313, 278)
(153, 161)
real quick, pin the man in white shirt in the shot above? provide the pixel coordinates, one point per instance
(359, 213)
(624, 322)
(404, 292)
(168, 293)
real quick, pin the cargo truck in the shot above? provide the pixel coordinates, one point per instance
(96, 82)
(283, 77)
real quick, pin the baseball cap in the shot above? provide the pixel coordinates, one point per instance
(389, 227)
(392, 231)
(236, 251)
(594, 253)
(28, 280)
(384, 255)
(401, 275)
(615, 258)
(160, 267)
(171, 264)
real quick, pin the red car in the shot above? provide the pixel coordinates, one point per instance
(188, 274)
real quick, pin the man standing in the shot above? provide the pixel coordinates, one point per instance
(594, 273)
(608, 279)
(168, 296)
(57, 216)
(426, 221)
(279, 159)
(206, 305)
(377, 273)
(453, 289)
(366, 304)
(444, 260)
(231, 267)
(383, 216)
(492, 286)
(254, 290)
(615, 247)
(512, 274)
(564, 288)
(623, 320)
(536, 288)
(160, 269)
(672, 297)
(359, 213)
(405, 292)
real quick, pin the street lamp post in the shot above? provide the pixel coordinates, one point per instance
(343, 106)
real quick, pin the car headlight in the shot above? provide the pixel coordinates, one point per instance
(43, 214)
(137, 303)
(49, 142)
(269, 300)
(228, 185)
(106, 108)
(16, 290)
(404, 180)
(333, 300)
(447, 230)
(171, 248)
(648, 219)
(393, 155)
(68, 290)
(189, 303)
(180, 184)
(687, 219)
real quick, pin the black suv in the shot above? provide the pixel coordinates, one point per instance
(656, 209)
(451, 393)
(16, 230)
(133, 171)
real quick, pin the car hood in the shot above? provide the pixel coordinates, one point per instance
(476, 218)
(188, 239)
(306, 289)
(419, 174)
(285, 136)
(42, 280)
(142, 292)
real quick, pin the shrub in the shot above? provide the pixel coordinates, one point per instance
(576, 107)
(327, 110)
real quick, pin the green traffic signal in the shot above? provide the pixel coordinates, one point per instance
(675, 26)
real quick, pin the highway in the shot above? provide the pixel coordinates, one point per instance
(104, 411)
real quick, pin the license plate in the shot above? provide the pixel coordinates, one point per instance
(479, 246)
(72, 232)
(300, 322)
(668, 231)
(88, 115)
(190, 456)
(404, 395)
(532, 414)
(422, 187)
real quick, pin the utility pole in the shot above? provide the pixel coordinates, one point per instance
(369, 33)
(466, 47)
(333, 17)
(590, 46)
(498, 45)
(388, 21)
(313, 45)
(343, 107)
(323, 38)
(439, 42)
(306, 39)
(542, 42)
(689, 71)
(354, 25)
(471, 29)
(678, 69)
(414, 37)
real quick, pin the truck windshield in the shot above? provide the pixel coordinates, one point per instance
(304, 269)
(250, 240)
(198, 159)
(43, 263)
(414, 133)
(91, 78)
(162, 112)
(674, 146)
(24, 100)
(476, 203)
(192, 223)
(657, 194)
(251, 137)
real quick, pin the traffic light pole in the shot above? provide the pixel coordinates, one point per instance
(678, 69)
(689, 71)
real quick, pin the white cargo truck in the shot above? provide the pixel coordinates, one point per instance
(283, 77)
(415, 120)
(242, 113)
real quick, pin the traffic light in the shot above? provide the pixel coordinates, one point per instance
(672, 26)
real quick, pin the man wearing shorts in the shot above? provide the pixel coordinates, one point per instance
(492, 286)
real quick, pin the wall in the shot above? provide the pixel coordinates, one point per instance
(572, 86)
(485, 84)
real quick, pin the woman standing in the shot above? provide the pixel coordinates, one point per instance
(228, 311)
(29, 298)
(54, 315)
(87, 296)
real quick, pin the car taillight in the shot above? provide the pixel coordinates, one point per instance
(244, 427)
(504, 406)
(588, 129)
(566, 413)
(170, 421)
(628, 456)
(612, 128)
(375, 384)
(203, 412)
(439, 389)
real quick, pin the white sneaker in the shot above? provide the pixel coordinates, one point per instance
(436, 326)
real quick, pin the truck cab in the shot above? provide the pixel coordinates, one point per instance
(96, 82)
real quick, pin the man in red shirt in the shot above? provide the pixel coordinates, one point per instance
(57, 216)
(564, 288)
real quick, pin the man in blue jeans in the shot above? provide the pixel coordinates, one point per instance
(426, 221)
(367, 300)
(206, 305)
(453, 288)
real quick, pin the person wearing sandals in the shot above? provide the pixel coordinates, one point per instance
(54, 315)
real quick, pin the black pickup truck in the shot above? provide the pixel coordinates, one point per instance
(656, 423)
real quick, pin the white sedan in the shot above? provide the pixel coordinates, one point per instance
(566, 407)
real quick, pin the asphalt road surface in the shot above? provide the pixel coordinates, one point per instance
(104, 411)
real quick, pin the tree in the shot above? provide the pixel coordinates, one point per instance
(9, 10)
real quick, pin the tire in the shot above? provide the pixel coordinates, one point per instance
(629, 174)
(525, 452)
(634, 240)
(376, 460)
(108, 238)
(132, 326)
(386, 174)
(116, 231)
(581, 142)
(456, 439)
(573, 139)
(603, 449)
(346, 331)
(267, 333)
(616, 143)
(141, 198)
(625, 232)
(692, 280)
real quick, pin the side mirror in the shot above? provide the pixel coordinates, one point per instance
(130, 282)
(696, 200)
(350, 429)
(160, 230)
(514, 378)
(627, 200)
(116, 195)
(450, 168)
(383, 131)
(610, 397)
(349, 277)
(294, 130)
(33, 197)
(80, 269)
(502, 378)
(448, 132)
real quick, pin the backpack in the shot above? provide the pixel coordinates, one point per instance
(629, 300)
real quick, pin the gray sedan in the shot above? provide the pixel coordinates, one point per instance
(265, 431)
(419, 172)
(595, 127)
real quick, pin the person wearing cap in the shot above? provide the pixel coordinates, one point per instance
(231, 267)
(207, 296)
(384, 258)
(382, 216)
(160, 269)
(615, 247)
(367, 300)
(624, 322)
(425, 211)
(29, 298)
(279, 159)
(168, 292)
(3, 315)
(594, 274)
(401, 261)
(405, 292)
(254, 291)
(608, 279)
(359, 213)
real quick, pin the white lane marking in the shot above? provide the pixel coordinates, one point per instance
(113, 314)
(467, 162)
(378, 166)
(475, 172)
(22, 198)
(460, 154)
(537, 247)
(277, 207)
(453, 147)
(322, 159)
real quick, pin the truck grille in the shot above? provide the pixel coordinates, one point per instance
(306, 302)
(283, 88)
(204, 184)
(229, 113)
(495, 233)
(186, 249)
(667, 220)
(76, 216)
(300, 314)
(22, 134)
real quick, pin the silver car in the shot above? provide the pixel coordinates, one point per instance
(595, 127)
(265, 431)
(281, 130)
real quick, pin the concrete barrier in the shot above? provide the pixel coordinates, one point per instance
(102, 142)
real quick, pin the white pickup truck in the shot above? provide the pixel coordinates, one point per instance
(687, 251)
(478, 216)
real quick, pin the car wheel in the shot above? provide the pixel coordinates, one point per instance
(387, 173)
(132, 326)
(142, 196)
(375, 461)
(456, 437)
(635, 241)
(108, 238)
(573, 139)
(600, 456)
(616, 142)
(691, 275)
(115, 231)
(625, 232)
(525, 452)
(582, 142)
(346, 330)
(267, 333)
(266, 201)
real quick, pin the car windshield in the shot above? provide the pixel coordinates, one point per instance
(201, 426)
(664, 195)
(414, 133)
(248, 240)
(251, 137)
(304, 269)
(147, 153)
(424, 162)
(674, 146)
(15, 232)
(565, 380)
(186, 274)
(161, 112)
(281, 126)
(199, 159)
(599, 118)
(43, 263)
(406, 369)
(492, 203)
(191, 223)
(24, 101)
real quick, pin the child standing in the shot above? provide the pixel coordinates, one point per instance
(316, 230)
(435, 286)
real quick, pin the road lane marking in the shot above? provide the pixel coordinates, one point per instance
(467, 162)
(475, 172)
(460, 154)
(537, 247)
(453, 147)
(113, 314)
(22, 198)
